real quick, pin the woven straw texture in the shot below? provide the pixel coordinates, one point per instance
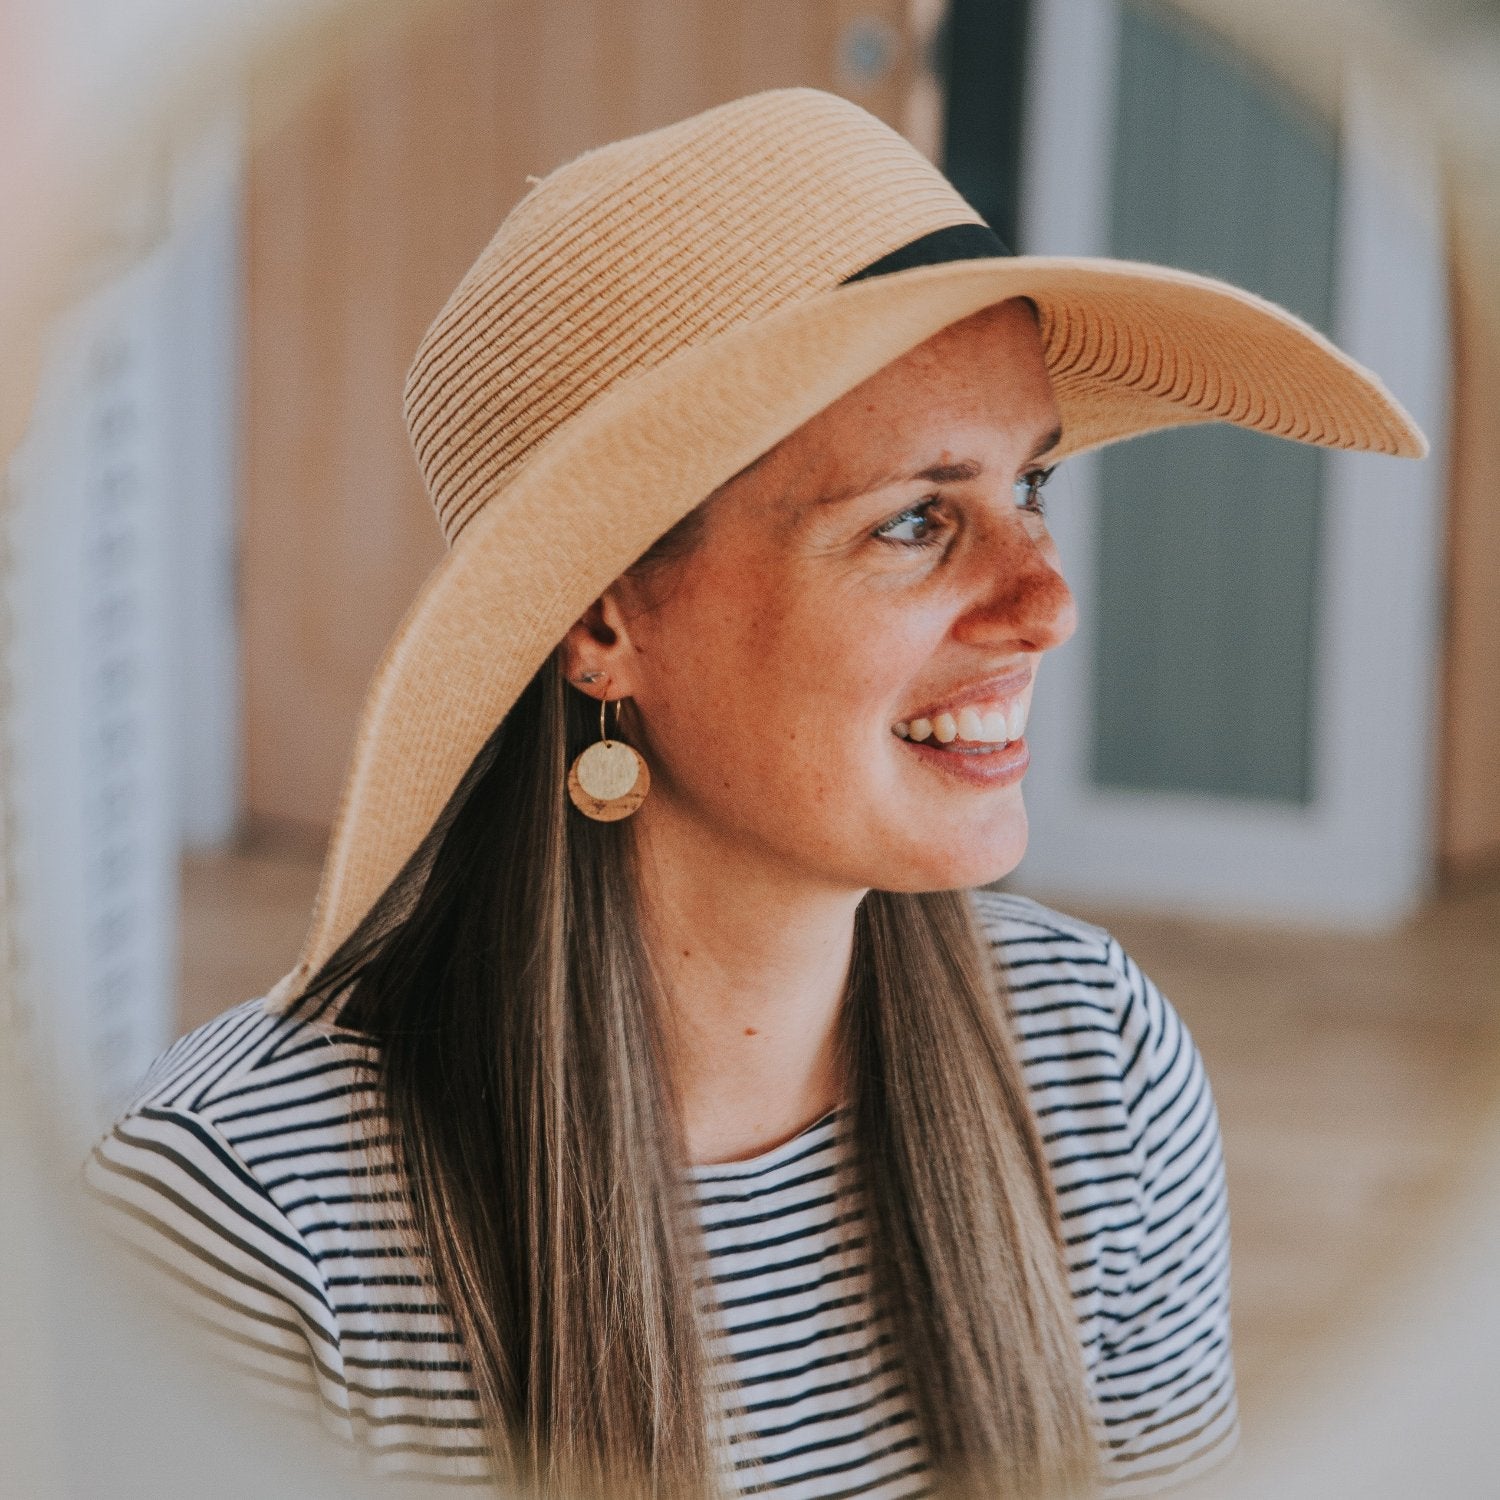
(638, 250)
(657, 313)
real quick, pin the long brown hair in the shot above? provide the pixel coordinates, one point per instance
(523, 1074)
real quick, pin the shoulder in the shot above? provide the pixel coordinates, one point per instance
(245, 1108)
(1097, 1039)
(1048, 954)
(253, 1181)
(228, 1178)
(1010, 917)
(249, 1053)
(1128, 1123)
(208, 1158)
(1061, 972)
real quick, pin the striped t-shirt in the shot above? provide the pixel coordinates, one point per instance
(243, 1172)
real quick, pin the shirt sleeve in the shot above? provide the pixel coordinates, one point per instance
(1165, 1382)
(206, 1235)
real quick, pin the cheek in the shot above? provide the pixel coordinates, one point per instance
(837, 681)
(783, 682)
(769, 677)
(720, 663)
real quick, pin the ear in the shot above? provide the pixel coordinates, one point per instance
(599, 641)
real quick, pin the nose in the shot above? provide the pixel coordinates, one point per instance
(1021, 601)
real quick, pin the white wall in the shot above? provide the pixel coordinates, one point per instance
(121, 661)
(92, 700)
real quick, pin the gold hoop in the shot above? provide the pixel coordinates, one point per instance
(609, 779)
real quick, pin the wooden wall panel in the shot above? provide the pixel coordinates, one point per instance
(364, 207)
(1469, 821)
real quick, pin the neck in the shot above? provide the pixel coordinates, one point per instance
(753, 966)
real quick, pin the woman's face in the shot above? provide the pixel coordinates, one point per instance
(884, 564)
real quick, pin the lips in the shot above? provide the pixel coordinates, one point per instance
(1002, 766)
(977, 763)
(994, 727)
(996, 691)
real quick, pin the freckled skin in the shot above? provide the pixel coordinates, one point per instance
(765, 672)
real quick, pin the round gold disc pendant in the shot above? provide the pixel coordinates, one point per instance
(609, 780)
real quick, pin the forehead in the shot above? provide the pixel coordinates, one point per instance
(980, 385)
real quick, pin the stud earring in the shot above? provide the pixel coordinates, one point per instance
(609, 779)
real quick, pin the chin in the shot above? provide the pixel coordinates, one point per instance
(992, 870)
(974, 864)
(983, 851)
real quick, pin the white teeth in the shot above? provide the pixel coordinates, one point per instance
(996, 727)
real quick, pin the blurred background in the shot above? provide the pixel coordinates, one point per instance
(1269, 760)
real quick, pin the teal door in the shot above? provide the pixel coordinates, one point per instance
(1209, 539)
(1242, 723)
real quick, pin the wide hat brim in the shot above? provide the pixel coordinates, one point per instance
(1130, 348)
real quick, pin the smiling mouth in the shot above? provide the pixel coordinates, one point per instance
(979, 765)
(981, 726)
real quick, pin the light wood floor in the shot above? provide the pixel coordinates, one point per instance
(1352, 1077)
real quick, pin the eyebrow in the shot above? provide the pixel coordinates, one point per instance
(1048, 440)
(934, 474)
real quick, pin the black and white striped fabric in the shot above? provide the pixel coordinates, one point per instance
(242, 1174)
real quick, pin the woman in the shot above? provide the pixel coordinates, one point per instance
(665, 1110)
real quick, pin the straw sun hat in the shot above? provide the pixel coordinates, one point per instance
(657, 313)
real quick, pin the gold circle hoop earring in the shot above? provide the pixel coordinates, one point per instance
(609, 779)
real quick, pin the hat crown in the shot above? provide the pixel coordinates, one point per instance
(634, 251)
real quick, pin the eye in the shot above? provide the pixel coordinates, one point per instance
(929, 537)
(1028, 490)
